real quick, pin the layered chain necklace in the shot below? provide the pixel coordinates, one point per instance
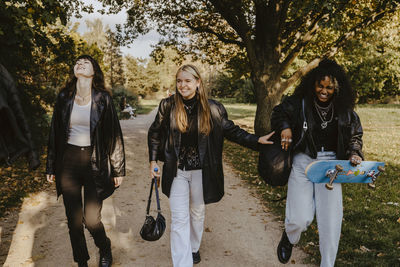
(323, 113)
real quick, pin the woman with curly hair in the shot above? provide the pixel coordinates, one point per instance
(332, 131)
(86, 150)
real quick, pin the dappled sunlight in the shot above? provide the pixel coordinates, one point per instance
(31, 218)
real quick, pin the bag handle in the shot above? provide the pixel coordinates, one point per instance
(153, 183)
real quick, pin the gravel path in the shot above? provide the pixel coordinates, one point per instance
(239, 231)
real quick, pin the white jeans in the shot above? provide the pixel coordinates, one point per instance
(187, 216)
(305, 198)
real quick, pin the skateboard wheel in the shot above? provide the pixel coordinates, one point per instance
(371, 185)
(329, 186)
(381, 168)
(339, 168)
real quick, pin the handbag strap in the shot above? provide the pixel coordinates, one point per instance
(149, 200)
(157, 196)
(153, 183)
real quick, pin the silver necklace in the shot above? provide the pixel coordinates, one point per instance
(324, 123)
(82, 98)
(323, 110)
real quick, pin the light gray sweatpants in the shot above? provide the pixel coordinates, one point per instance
(305, 198)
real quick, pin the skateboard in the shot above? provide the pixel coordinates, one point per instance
(341, 171)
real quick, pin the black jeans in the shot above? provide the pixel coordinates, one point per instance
(76, 172)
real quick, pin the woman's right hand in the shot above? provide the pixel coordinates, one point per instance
(286, 138)
(50, 178)
(154, 165)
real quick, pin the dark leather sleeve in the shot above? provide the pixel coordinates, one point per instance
(15, 104)
(234, 133)
(116, 148)
(356, 143)
(283, 115)
(155, 134)
(51, 145)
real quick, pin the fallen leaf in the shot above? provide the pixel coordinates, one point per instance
(364, 249)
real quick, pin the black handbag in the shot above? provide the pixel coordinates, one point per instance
(274, 163)
(153, 229)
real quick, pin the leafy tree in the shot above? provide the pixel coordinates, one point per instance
(271, 34)
(374, 65)
(113, 59)
(37, 49)
(96, 33)
(135, 76)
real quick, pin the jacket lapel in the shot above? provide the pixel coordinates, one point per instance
(95, 112)
(69, 104)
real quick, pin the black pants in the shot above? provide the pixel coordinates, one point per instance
(76, 173)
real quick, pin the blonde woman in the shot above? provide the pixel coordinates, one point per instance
(187, 135)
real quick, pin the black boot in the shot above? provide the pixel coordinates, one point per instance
(106, 256)
(82, 264)
(284, 249)
(196, 257)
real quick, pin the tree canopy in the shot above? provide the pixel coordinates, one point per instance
(271, 34)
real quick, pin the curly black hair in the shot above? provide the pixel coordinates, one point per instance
(98, 77)
(344, 96)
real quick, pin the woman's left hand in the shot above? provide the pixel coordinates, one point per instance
(118, 181)
(265, 139)
(355, 160)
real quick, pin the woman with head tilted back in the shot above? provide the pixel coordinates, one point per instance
(86, 150)
(333, 131)
(187, 134)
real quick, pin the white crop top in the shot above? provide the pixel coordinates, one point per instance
(79, 132)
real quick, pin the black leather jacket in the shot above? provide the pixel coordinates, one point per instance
(164, 144)
(289, 114)
(15, 136)
(108, 157)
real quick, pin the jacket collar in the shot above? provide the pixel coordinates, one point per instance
(176, 134)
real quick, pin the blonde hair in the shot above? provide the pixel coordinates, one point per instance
(204, 107)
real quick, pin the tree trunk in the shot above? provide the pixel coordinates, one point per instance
(267, 99)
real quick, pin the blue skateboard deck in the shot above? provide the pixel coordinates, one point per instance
(322, 171)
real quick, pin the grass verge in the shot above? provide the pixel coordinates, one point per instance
(146, 106)
(371, 225)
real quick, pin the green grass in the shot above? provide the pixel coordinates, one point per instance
(371, 225)
(146, 106)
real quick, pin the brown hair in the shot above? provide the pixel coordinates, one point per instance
(204, 107)
(98, 77)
